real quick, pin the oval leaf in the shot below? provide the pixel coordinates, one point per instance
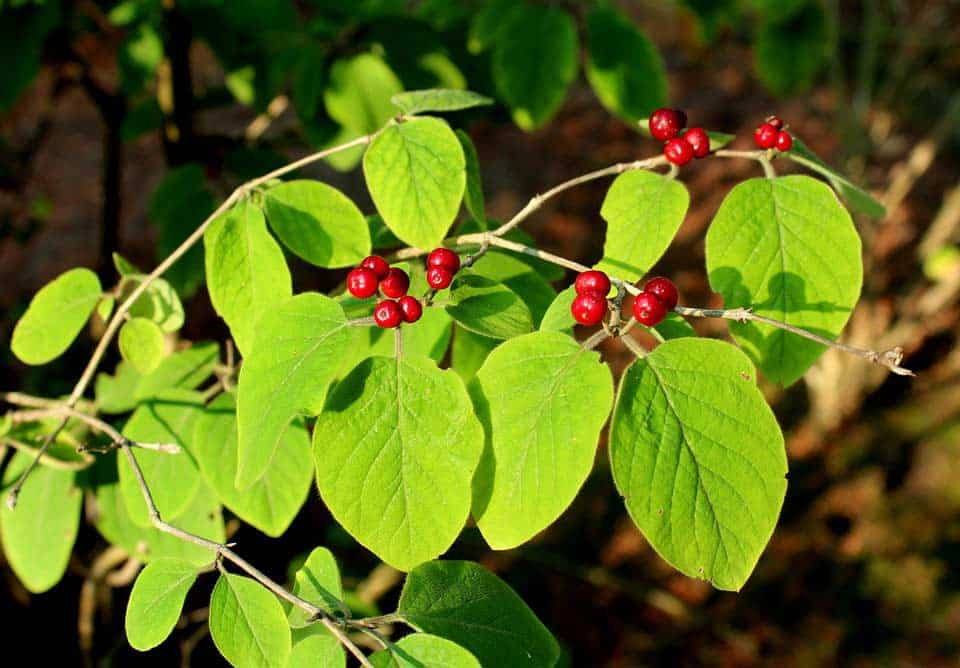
(156, 601)
(488, 307)
(317, 581)
(159, 302)
(542, 399)
(317, 650)
(699, 458)
(558, 317)
(186, 369)
(141, 344)
(247, 623)
(422, 649)
(438, 99)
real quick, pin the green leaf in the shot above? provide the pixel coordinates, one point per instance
(247, 623)
(473, 195)
(272, 502)
(138, 56)
(463, 602)
(105, 307)
(173, 479)
(309, 77)
(318, 582)
(469, 351)
(857, 198)
(115, 393)
(643, 211)
(141, 344)
(397, 473)
(186, 369)
(317, 650)
(558, 317)
(295, 355)
(534, 62)
(674, 327)
(789, 52)
(318, 223)
(246, 271)
(437, 100)
(623, 66)
(124, 266)
(719, 139)
(521, 278)
(156, 601)
(542, 399)
(38, 535)
(699, 459)
(358, 94)
(55, 316)
(416, 175)
(488, 307)
(422, 649)
(22, 35)
(788, 249)
(486, 28)
(159, 302)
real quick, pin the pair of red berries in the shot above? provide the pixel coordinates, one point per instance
(666, 124)
(374, 273)
(442, 265)
(770, 134)
(659, 296)
(590, 304)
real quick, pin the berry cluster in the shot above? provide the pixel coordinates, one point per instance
(375, 274)
(666, 125)
(772, 134)
(659, 296)
(590, 303)
(442, 264)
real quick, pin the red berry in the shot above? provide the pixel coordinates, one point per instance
(699, 141)
(395, 284)
(410, 308)
(784, 141)
(666, 124)
(648, 310)
(765, 136)
(663, 289)
(361, 282)
(588, 308)
(387, 314)
(592, 281)
(438, 278)
(776, 122)
(377, 265)
(678, 151)
(445, 259)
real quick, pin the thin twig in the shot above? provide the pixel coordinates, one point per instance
(634, 346)
(595, 339)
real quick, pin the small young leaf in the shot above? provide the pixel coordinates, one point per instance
(422, 649)
(159, 303)
(318, 582)
(437, 100)
(790, 51)
(542, 399)
(105, 307)
(186, 369)
(416, 175)
(463, 602)
(317, 650)
(857, 198)
(141, 344)
(473, 195)
(124, 266)
(156, 601)
(396, 447)
(247, 623)
(296, 353)
(643, 211)
(55, 316)
(38, 535)
(488, 307)
(699, 459)
(558, 317)
(115, 394)
(246, 271)
(358, 94)
(788, 249)
(318, 223)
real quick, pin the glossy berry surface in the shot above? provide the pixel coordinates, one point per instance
(592, 281)
(377, 265)
(648, 310)
(663, 289)
(784, 141)
(387, 314)
(395, 284)
(666, 124)
(765, 136)
(445, 259)
(362, 282)
(588, 308)
(776, 122)
(410, 308)
(678, 151)
(699, 141)
(438, 278)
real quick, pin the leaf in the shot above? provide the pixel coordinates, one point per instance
(105, 307)
(186, 369)
(674, 327)
(789, 52)
(141, 344)
(317, 650)
(857, 198)
(309, 78)
(359, 92)
(318, 223)
(55, 316)
(317, 582)
(115, 393)
(247, 623)
(623, 66)
(159, 302)
(272, 502)
(396, 447)
(488, 307)
(138, 57)
(643, 211)
(422, 649)
(473, 195)
(558, 317)
(469, 351)
(246, 271)
(542, 399)
(534, 62)
(788, 249)
(124, 267)
(416, 175)
(295, 355)
(699, 459)
(521, 278)
(486, 27)
(23, 32)
(438, 100)
(156, 601)
(463, 602)
(38, 536)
